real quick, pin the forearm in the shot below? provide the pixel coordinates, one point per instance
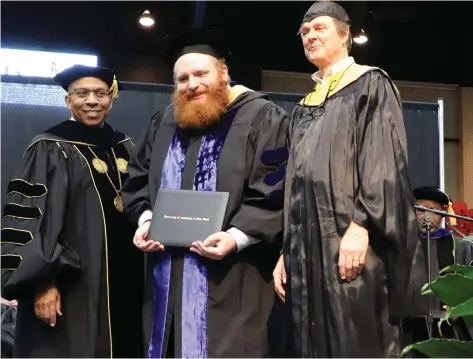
(356, 228)
(145, 216)
(242, 239)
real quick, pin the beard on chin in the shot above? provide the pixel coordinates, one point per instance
(201, 114)
(423, 228)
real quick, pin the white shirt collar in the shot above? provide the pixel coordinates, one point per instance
(336, 67)
(73, 119)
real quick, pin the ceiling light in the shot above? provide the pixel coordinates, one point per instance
(146, 19)
(361, 38)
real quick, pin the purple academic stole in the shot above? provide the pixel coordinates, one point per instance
(441, 232)
(195, 286)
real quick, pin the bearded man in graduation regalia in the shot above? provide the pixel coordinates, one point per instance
(349, 212)
(214, 298)
(67, 255)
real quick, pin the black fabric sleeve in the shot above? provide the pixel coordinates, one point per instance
(385, 203)
(261, 212)
(136, 188)
(32, 221)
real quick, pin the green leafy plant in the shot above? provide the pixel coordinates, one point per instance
(454, 287)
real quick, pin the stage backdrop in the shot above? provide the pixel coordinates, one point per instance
(31, 105)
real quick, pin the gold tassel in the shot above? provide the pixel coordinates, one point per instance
(453, 220)
(114, 88)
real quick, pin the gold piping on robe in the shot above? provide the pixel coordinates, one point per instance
(56, 140)
(126, 139)
(10, 261)
(26, 189)
(71, 142)
(106, 250)
(15, 210)
(22, 237)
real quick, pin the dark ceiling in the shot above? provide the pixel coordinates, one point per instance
(413, 41)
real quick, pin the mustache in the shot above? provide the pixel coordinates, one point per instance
(93, 108)
(191, 94)
(422, 228)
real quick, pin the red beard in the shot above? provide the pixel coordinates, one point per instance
(201, 114)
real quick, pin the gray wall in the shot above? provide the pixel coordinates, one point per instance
(35, 105)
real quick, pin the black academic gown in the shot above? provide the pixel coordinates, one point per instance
(60, 224)
(463, 251)
(348, 162)
(226, 313)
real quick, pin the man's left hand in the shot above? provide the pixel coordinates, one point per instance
(352, 254)
(217, 246)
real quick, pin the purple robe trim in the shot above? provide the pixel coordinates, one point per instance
(439, 233)
(171, 177)
(276, 157)
(195, 286)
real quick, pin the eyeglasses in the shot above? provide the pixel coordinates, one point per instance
(84, 93)
(313, 112)
(317, 111)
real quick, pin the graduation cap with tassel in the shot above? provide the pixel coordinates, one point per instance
(76, 72)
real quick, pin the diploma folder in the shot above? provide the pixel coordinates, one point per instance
(181, 217)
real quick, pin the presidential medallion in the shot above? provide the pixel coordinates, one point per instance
(118, 202)
(122, 165)
(99, 165)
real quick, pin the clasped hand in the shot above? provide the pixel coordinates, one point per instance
(217, 246)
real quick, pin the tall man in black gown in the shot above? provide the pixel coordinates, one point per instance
(67, 255)
(349, 212)
(211, 301)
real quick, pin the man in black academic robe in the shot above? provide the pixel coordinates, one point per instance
(445, 250)
(349, 216)
(67, 251)
(213, 299)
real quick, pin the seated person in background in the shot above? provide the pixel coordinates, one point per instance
(446, 249)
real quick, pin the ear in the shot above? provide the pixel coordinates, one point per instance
(346, 38)
(225, 73)
(67, 100)
(225, 69)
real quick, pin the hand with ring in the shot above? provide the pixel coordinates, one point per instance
(352, 253)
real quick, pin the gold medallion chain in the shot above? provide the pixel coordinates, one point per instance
(101, 167)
